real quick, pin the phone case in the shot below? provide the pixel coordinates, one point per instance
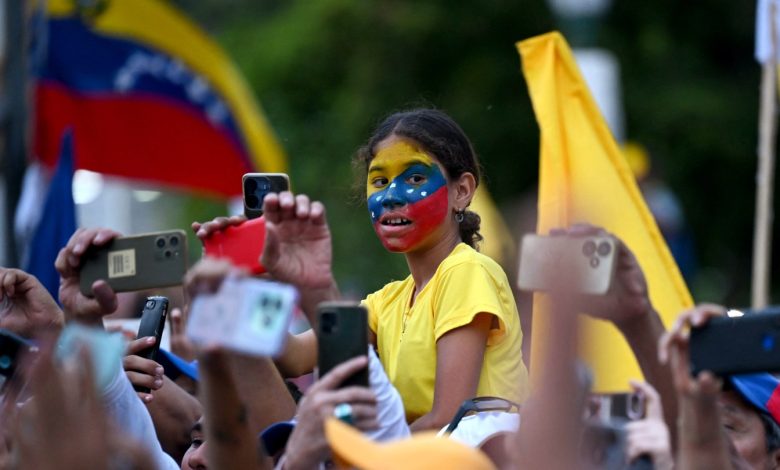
(342, 333)
(589, 261)
(256, 186)
(242, 245)
(152, 324)
(137, 262)
(736, 345)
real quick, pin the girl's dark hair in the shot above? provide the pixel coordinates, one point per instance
(440, 136)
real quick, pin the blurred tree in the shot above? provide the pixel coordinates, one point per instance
(326, 71)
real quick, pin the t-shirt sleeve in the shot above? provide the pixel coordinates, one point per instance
(464, 291)
(370, 306)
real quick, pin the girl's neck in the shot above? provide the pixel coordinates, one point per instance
(424, 262)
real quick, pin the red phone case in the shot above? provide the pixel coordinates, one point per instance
(242, 245)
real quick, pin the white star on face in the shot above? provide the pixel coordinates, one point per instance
(392, 185)
(372, 215)
(379, 197)
(424, 193)
(409, 191)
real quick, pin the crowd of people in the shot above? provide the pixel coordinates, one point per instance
(448, 385)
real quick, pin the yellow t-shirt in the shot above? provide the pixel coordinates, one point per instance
(465, 284)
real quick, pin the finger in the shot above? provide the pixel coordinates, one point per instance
(708, 383)
(105, 296)
(145, 397)
(363, 412)
(354, 395)
(271, 208)
(195, 227)
(236, 220)
(317, 215)
(103, 236)
(144, 380)
(177, 322)
(137, 345)
(582, 229)
(703, 312)
(340, 373)
(302, 206)
(142, 365)
(653, 405)
(287, 205)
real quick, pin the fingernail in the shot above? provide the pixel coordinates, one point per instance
(158, 383)
(148, 398)
(78, 247)
(150, 340)
(159, 371)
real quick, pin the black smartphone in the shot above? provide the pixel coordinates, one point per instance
(737, 344)
(620, 406)
(12, 347)
(342, 333)
(136, 262)
(152, 324)
(256, 186)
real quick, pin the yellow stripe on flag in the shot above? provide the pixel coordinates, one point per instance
(157, 25)
(584, 178)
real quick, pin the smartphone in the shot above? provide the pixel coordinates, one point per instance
(153, 317)
(342, 333)
(736, 345)
(256, 186)
(589, 262)
(241, 245)
(12, 347)
(620, 406)
(105, 350)
(137, 262)
(247, 315)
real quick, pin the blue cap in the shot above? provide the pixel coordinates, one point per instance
(275, 436)
(175, 366)
(761, 390)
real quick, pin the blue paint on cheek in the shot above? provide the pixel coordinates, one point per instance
(401, 192)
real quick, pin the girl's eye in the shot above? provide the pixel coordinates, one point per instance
(416, 179)
(379, 182)
(196, 443)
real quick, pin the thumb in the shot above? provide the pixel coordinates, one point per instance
(653, 407)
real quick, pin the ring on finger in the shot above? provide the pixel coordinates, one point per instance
(343, 412)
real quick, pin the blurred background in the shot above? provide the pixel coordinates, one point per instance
(676, 80)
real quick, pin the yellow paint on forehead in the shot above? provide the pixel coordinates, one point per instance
(393, 160)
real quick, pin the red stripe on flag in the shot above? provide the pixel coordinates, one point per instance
(139, 137)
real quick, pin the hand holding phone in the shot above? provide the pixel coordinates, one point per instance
(588, 262)
(246, 315)
(153, 317)
(138, 262)
(256, 186)
(342, 333)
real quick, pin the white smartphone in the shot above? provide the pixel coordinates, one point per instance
(246, 315)
(587, 263)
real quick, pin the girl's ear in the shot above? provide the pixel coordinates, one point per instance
(463, 190)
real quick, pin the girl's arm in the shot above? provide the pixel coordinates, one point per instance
(460, 354)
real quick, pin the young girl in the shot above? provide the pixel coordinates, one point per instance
(448, 332)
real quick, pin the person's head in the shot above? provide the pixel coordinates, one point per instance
(422, 174)
(754, 433)
(195, 457)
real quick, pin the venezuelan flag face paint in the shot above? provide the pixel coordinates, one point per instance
(407, 196)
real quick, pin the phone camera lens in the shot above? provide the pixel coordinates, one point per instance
(160, 242)
(5, 362)
(604, 249)
(328, 322)
(589, 248)
(250, 185)
(594, 263)
(252, 202)
(174, 241)
(168, 253)
(150, 304)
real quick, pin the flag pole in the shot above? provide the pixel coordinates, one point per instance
(762, 236)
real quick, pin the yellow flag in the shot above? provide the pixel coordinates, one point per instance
(498, 242)
(584, 178)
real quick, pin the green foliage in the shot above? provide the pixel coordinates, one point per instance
(326, 71)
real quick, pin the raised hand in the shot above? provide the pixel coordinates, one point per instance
(26, 308)
(180, 344)
(204, 230)
(297, 241)
(649, 436)
(78, 306)
(627, 298)
(140, 371)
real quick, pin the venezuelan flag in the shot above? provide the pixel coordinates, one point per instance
(148, 97)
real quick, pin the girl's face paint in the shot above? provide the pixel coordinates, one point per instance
(407, 196)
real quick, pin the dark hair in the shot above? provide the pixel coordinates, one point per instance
(443, 138)
(771, 431)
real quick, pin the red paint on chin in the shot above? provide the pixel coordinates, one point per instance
(426, 215)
